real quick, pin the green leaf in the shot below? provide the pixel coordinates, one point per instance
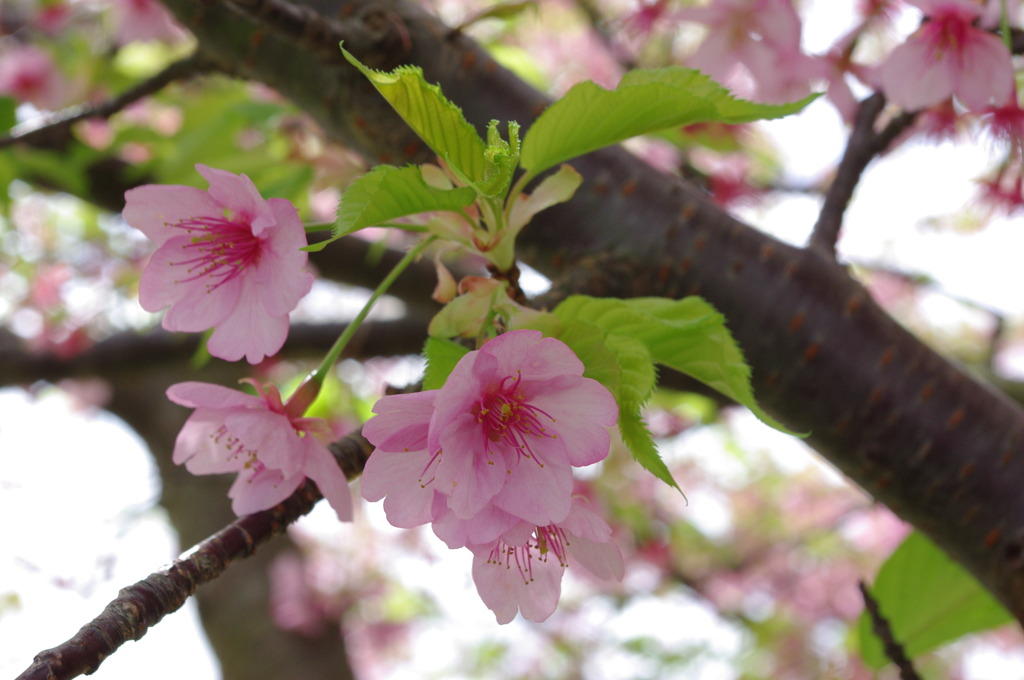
(431, 115)
(624, 366)
(688, 335)
(502, 160)
(387, 193)
(441, 356)
(7, 113)
(928, 600)
(589, 117)
(638, 439)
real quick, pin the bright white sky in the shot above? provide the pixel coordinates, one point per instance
(81, 486)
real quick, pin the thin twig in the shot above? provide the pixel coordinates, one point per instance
(863, 146)
(142, 605)
(56, 127)
(893, 649)
(855, 159)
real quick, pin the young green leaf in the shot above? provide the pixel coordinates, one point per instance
(688, 335)
(431, 115)
(928, 600)
(589, 117)
(387, 193)
(441, 356)
(502, 160)
(624, 366)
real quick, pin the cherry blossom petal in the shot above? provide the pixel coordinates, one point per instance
(467, 473)
(464, 388)
(239, 194)
(583, 410)
(538, 495)
(247, 331)
(986, 75)
(505, 591)
(537, 358)
(153, 207)
(912, 78)
(202, 448)
(165, 283)
(206, 395)
(401, 422)
(269, 435)
(396, 477)
(322, 468)
(485, 526)
(255, 491)
(603, 560)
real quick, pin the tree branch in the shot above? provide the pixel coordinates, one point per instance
(54, 130)
(893, 649)
(142, 605)
(864, 144)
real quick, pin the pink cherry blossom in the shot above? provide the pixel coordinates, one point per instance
(397, 472)
(948, 56)
(271, 447)
(144, 20)
(522, 570)
(512, 420)
(756, 38)
(28, 74)
(226, 259)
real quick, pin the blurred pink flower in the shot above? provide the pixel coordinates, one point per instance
(522, 570)
(226, 259)
(28, 74)
(1004, 191)
(271, 447)
(144, 20)
(948, 56)
(762, 37)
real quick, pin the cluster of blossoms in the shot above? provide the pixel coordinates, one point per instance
(487, 460)
(229, 260)
(754, 46)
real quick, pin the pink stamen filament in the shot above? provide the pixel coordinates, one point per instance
(549, 539)
(222, 250)
(506, 417)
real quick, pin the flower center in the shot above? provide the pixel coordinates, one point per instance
(546, 541)
(220, 250)
(948, 30)
(507, 417)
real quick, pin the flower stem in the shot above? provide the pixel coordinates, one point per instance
(317, 376)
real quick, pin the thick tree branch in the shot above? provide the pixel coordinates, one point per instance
(131, 353)
(143, 605)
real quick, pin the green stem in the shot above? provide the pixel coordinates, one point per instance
(321, 371)
(518, 187)
(1004, 25)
